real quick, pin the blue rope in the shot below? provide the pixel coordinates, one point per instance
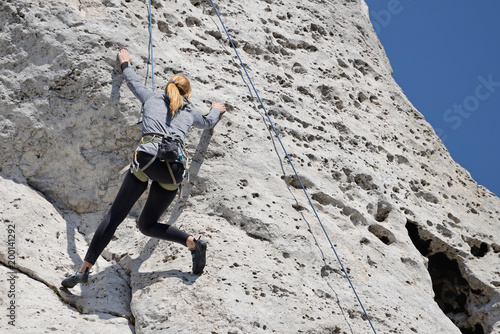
(150, 59)
(151, 47)
(293, 167)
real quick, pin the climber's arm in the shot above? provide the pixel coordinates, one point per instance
(136, 86)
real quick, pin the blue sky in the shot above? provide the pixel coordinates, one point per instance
(446, 57)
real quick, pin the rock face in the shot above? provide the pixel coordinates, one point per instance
(416, 234)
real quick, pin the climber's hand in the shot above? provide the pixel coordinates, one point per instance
(221, 107)
(124, 56)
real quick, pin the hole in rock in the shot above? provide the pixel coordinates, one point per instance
(421, 245)
(450, 287)
(383, 210)
(477, 329)
(479, 251)
(386, 236)
(453, 293)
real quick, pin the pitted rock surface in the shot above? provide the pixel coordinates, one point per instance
(417, 235)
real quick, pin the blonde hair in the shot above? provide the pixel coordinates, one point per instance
(178, 87)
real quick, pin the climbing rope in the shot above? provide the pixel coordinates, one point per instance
(150, 49)
(293, 167)
(150, 60)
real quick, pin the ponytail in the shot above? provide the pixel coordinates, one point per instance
(177, 88)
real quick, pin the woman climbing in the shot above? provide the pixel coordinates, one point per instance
(166, 120)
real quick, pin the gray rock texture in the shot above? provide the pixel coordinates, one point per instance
(419, 238)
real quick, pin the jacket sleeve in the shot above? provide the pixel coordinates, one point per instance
(207, 121)
(135, 85)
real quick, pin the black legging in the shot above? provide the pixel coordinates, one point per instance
(158, 201)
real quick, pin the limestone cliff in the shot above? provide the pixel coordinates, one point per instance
(416, 234)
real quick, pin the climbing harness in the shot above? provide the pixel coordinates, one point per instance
(159, 138)
(293, 167)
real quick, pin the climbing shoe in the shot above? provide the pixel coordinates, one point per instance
(71, 281)
(199, 254)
